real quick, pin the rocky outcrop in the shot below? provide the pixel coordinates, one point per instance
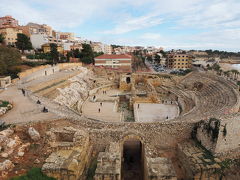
(3, 110)
(34, 134)
(74, 95)
(6, 165)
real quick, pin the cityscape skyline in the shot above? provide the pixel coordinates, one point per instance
(173, 24)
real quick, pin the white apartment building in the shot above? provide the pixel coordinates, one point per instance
(38, 40)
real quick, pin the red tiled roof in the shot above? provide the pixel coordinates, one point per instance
(114, 56)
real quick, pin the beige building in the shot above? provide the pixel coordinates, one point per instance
(107, 49)
(97, 47)
(46, 48)
(10, 34)
(65, 36)
(33, 28)
(179, 61)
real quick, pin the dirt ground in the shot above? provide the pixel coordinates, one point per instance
(38, 151)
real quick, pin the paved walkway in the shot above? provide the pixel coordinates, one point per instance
(24, 110)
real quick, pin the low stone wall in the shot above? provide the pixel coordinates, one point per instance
(46, 70)
(38, 72)
(68, 65)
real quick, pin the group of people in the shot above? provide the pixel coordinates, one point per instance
(99, 109)
(45, 110)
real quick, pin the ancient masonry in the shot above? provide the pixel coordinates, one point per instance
(205, 129)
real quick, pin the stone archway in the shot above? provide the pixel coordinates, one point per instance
(133, 158)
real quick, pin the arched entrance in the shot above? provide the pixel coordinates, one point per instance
(133, 156)
(128, 80)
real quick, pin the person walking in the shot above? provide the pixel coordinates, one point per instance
(23, 92)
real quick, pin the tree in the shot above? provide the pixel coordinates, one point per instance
(157, 58)
(216, 67)
(87, 55)
(2, 38)
(9, 59)
(149, 58)
(23, 42)
(54, 53)
(163, 53)
(97, 54)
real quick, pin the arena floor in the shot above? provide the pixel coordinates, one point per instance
(148, 112)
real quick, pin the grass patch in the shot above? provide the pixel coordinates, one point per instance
(4, 103)
(33, 174)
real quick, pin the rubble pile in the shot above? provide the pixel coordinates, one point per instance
(13, 148)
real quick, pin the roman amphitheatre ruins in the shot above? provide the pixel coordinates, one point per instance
(138, 126)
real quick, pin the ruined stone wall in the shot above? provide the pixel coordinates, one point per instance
(152, 134)
(229, 133)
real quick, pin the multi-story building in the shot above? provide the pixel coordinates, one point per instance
(10, 34)
(8, 21)
(65, 36)
(119, 62)
(107, 49)
(38, 40)
(97, 47)
(76, 46)
(34, 28)
(179, 61)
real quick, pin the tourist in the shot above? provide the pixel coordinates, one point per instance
(100, 103)
(99, 110)
(167, 117)
(45, 110)
(38, 102)
(23, 92)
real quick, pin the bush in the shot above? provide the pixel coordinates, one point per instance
(33, 174)
(33, 64)
(4, 103)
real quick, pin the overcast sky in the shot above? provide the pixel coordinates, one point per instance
(185, 24)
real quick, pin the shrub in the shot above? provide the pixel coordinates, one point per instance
(4, 103)
(34, 174)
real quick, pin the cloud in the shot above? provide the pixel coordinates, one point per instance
(132, 24)
(170, 23)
